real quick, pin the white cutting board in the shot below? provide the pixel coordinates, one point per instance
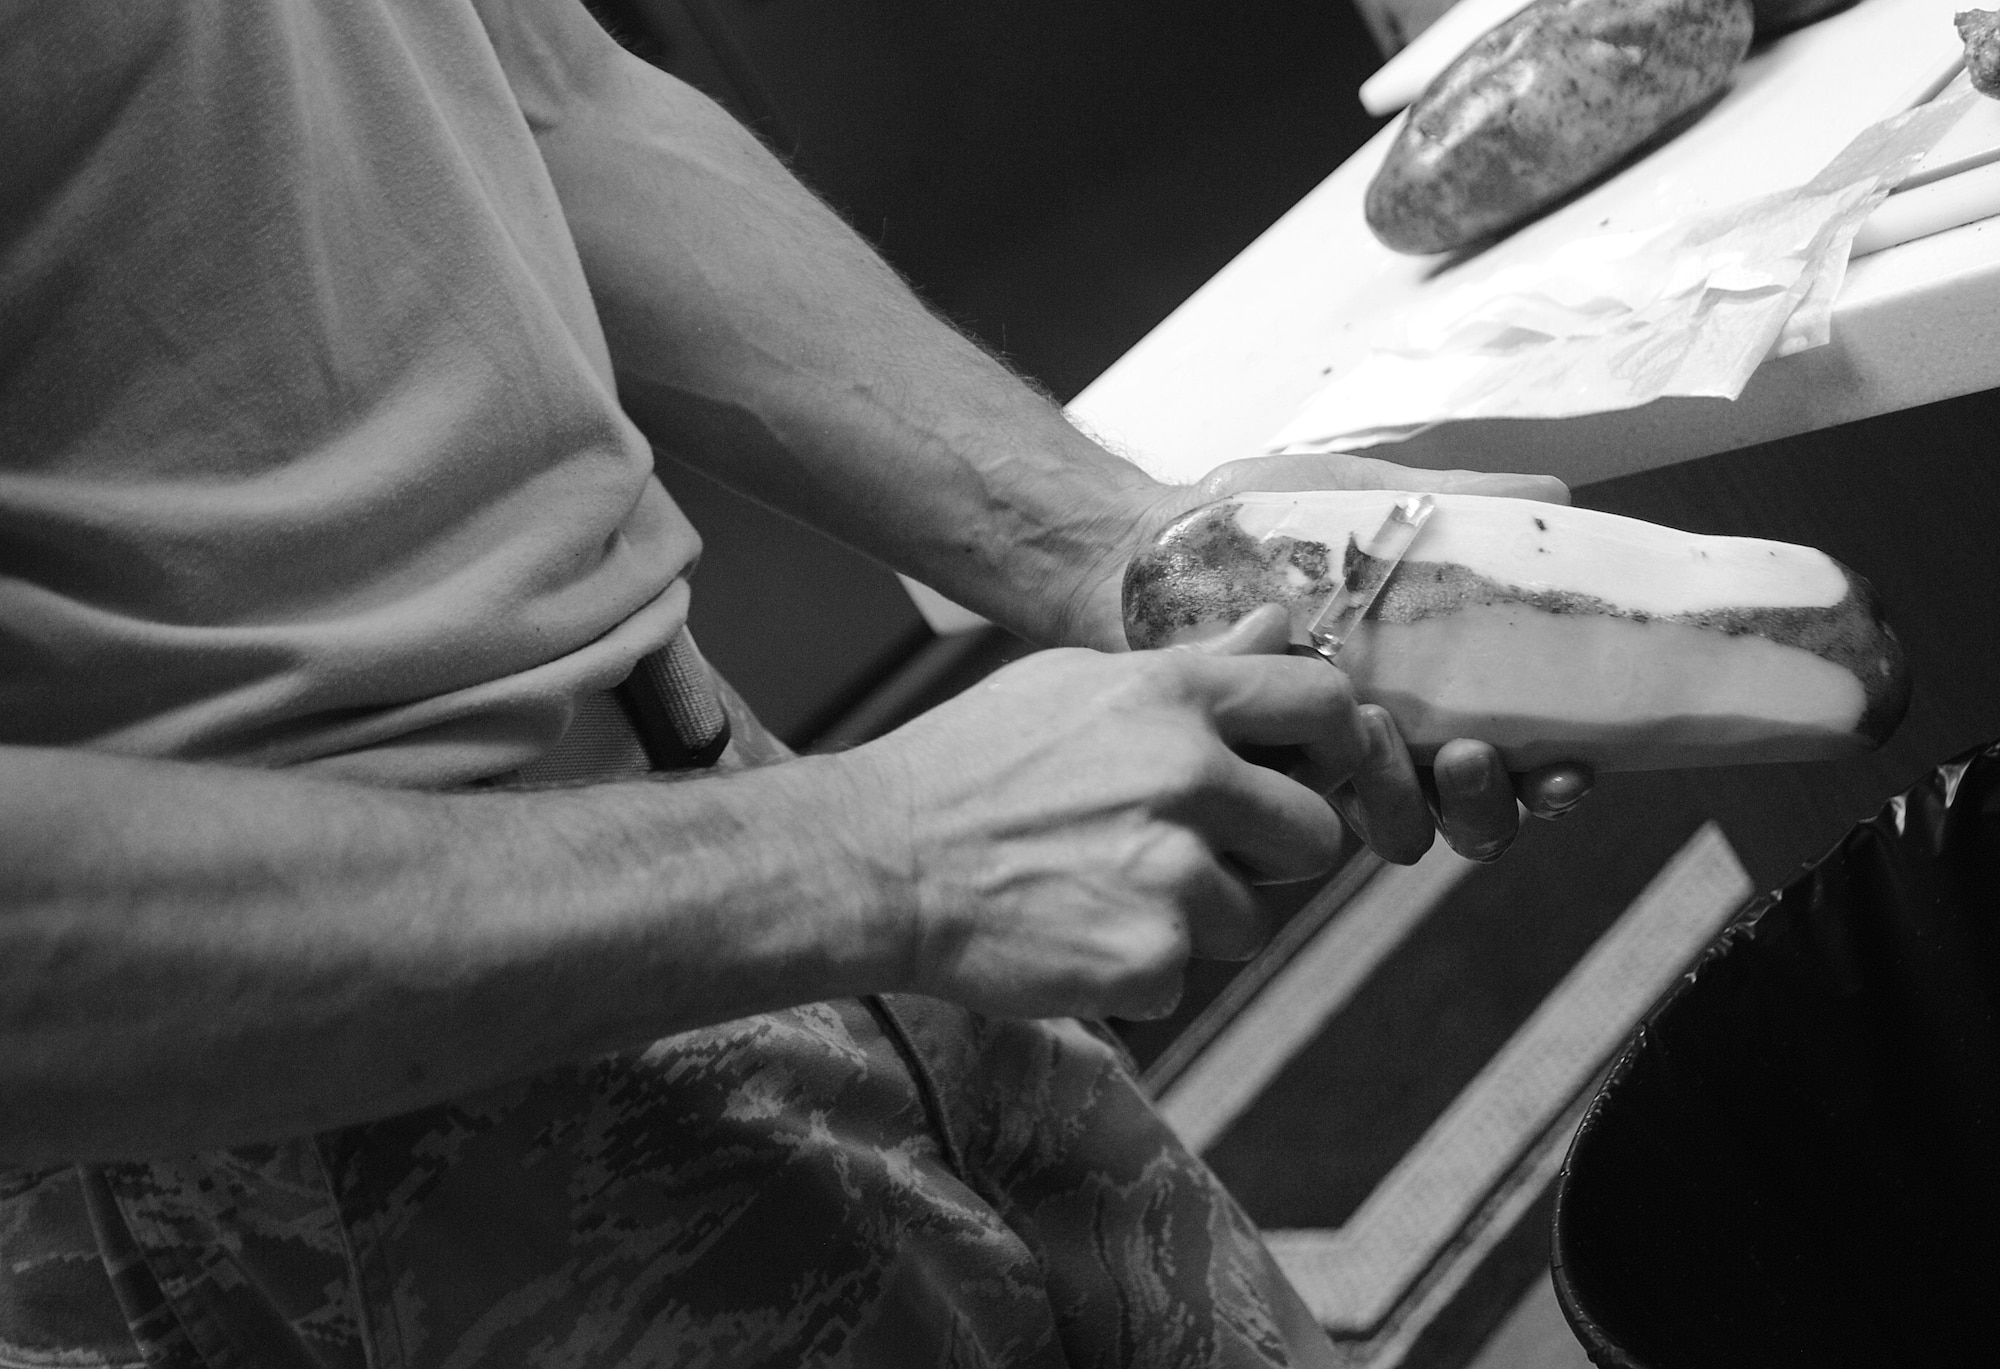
(1305, 302)
(1957, 183)
(1793, 106)
(1974, 142)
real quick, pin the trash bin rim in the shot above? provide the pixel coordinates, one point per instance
(1604, 1351)
(1597, 1340)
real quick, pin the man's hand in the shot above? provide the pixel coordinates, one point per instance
(1077, 826)
(1096, 619)
(1471, 792)
(764, 343)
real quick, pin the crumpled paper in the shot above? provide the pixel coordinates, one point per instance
(1616, 320)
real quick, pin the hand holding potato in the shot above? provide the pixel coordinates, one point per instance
(1068, 832)
(1471, 823)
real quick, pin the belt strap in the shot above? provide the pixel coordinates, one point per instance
(666, 715)
(671, 699)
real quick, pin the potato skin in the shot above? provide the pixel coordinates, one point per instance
(1980, 30)
(1543, 104)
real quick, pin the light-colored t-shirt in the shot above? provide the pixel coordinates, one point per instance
(309, 447)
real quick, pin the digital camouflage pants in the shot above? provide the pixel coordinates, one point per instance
(882, 1183)
(872, 1183)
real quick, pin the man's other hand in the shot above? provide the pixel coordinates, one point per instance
(1473, 793)
(1068, 832)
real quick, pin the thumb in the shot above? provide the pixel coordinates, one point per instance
(1329, 737)
(1264, 631)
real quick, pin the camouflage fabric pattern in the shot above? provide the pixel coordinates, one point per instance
(881, 1182)
(56, 1303)
(859, 1183)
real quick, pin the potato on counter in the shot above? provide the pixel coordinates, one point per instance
(1554, 633)
(1542, 105)
(1981, 31)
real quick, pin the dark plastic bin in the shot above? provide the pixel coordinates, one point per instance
(1796, 1158)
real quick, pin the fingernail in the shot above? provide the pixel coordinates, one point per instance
(1487, 853)
(1557, 804)
(1379, 748)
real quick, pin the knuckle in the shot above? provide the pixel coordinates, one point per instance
(1139, 685)
(1161, 951)
(1178, 762)
(1163, 675)
(1143, 979)
(1172, 859)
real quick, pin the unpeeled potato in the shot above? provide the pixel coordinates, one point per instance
(1542, 105)
(1981, 31)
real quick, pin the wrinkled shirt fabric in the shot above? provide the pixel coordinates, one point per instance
(311, 456)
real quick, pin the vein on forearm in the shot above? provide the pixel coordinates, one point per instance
(190, 956)
(759, 339)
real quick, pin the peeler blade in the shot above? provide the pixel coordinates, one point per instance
(1335, 622)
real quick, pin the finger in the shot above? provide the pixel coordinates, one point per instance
(1383, 800)
(1228, 923)
(1274, 829)
(1138, 997)
(1553, 790)
(1345, 471)
(1259, 697)
(1274, 818)
(1146, 1004)
(1264, 631)
(1278, 829)
(1477, 809)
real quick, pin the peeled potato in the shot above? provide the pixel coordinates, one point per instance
(1554, 633)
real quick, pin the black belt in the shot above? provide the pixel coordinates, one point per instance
(666, 715)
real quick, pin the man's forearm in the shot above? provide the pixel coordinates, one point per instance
(194, 956)
(758, 337)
